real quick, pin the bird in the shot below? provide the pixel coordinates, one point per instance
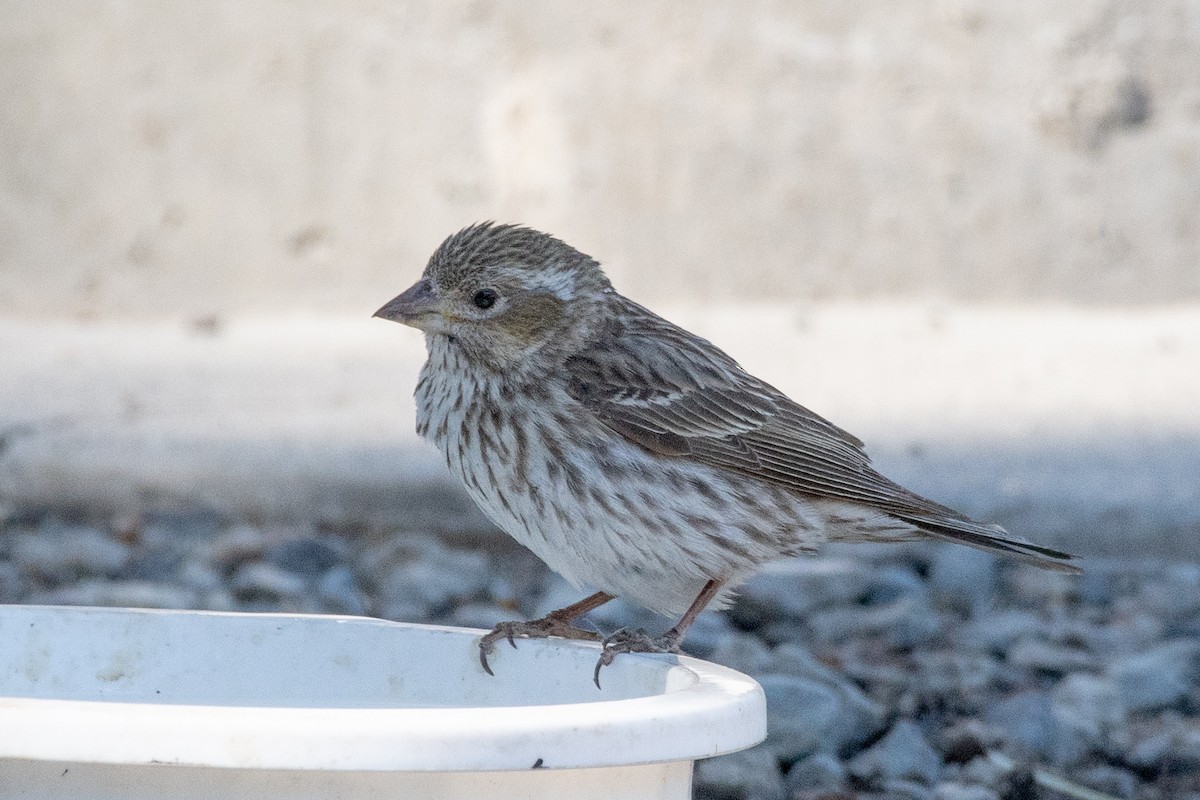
(630, 455)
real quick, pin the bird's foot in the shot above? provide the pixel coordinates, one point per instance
(635, 641)
(543, 628)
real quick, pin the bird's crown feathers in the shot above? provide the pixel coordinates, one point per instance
(541, 259)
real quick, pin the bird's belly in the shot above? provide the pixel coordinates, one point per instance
(608, 515)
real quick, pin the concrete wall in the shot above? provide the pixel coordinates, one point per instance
(197, 158)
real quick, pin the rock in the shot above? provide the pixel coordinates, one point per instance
(901, 755)
(960, 791)
(193, 523)
(1037, 586)
(262, 581)
(803, 716)
(375, 561)
(1159, 677)
(472, 569)
(1109, 780)
(406, 612)
(1130, 630)
(511, 588)
(820, 771)
(893, 582)
(339, 592)
(1175, 748)
(199, 575)
(1088, 714)
(1151, 752)
(234, 546)
(92, 552)
(420, 585)
(962, 577)
(130, 593)
(905, 622)
(710, 631)
(219, 599)
(1107, 640)
(984, 772)
(954, 674)
(963, 742)
(308, 557)
(1099, 583)
(155, 563)
(1032, 652)
(743, 652)
(1024, 719)
(796, 659)
(65, 554)
(997, 630)
(1184, 754)
(434, 578)
(749, 775)
(905, 790)
(1019, 784)
(791, 589)
(859, 717)
(1174, 593)
(946, 681)
(811, 709)
(886, 679)
(12, 583)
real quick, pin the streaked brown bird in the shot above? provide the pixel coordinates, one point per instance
(628, 454)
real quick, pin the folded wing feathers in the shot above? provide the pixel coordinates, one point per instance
(678, 395)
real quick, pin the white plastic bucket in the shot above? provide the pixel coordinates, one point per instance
(103, 703)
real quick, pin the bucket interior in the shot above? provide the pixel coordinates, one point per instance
(262, 660)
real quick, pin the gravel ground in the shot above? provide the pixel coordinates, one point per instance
(910, 672)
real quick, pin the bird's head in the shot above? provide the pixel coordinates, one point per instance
(504, 293)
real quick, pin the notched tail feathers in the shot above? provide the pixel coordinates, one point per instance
(995, 539)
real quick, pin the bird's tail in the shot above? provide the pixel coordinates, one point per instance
(994, 539)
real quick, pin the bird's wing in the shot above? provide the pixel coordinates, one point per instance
(678, 395)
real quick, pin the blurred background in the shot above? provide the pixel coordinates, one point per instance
(968, 232)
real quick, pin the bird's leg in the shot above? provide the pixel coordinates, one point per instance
(627, 641)
(556, 623)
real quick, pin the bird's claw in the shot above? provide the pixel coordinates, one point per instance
(633, 641)
(543, 628)
(485, 648)
(487, 643)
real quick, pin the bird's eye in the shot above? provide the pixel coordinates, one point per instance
(484, 298)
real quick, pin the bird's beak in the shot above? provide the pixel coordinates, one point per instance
(414, 307)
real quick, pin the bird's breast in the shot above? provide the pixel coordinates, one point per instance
(597, 508)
